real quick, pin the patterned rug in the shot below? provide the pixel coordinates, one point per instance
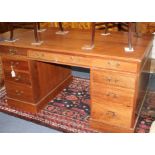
(69, 111)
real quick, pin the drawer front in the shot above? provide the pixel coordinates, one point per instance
(13, 51)
(116, 65)
(115, 115)
(84, 61)
(114, 78)
(17, 64)
(60, 58)
(101, 92)
(20, 92)
(23, 78)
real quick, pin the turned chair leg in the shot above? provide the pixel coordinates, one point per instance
(137, 30)
(36, 36)
(35, 32)
(38, 24)
(61, 29)
(92, 43)
(106, 28)
(60, 26)
(129, 48)
(130, 36)
(11, 31)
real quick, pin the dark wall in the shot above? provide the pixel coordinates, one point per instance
(3, 27)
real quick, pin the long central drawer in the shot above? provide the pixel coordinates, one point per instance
(86, 61)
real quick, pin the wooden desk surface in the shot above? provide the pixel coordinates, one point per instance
(111, 46)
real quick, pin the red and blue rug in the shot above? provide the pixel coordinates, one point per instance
(69, 111)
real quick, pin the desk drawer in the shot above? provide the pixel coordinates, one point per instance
(20, 92)
(117, 95)
(84, 61)
(115, 115)
(13, 51)
(23, 78)
(114, 78)
(18, 64)
(116, 65)
(60, 58)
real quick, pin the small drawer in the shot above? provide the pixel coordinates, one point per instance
(20, 92)
(114, 78)
(122, 96)
(13, 51)
(18, 64)
(23, 78)
(114, 115)
(116, 65)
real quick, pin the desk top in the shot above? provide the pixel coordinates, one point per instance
(111, 46)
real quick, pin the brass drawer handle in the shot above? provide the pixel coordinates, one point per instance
(114, 95)
(108, 94)
(12, 51)
(109, 79)
(19, 93)
(116, 81)
(111, 95)
(116, 64)
(110, 114)
(14, 63)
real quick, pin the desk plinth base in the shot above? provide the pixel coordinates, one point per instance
(107, 128)
(36, 107)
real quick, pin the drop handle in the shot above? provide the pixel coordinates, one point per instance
(112, 95)
(110, 113)
(19, 93)
(115, 96)
(117, 64)
(116, 81)
(12, 51)
(109, 79)
(14, 63)
(107, 94)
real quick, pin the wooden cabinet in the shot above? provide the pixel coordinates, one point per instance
(113, 97)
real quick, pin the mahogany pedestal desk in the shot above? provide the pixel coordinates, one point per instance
(118, 79)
